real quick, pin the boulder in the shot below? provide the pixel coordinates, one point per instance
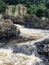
(43, 50)
(7, 29)
(43, 47)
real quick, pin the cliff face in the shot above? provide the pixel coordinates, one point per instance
(16, 10)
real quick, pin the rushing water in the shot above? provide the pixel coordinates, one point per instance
(9, 58)
(24, 53)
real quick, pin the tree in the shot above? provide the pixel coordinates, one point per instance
(14, 2)
(47, 13)
(2, 6)
(47, 5)
(41, 11)
(32, 9)
(11, 2)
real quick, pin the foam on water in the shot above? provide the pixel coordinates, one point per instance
(32, 31)
(7, 57)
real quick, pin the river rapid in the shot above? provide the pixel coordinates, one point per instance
(13, 52)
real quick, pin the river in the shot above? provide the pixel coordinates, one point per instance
(21, 52)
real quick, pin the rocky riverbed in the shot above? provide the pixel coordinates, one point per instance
(24, 51)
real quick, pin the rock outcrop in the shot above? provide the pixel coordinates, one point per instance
(7, 29)
(30, 21)
(43, 50)
(37, 22)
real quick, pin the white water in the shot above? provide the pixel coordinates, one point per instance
(24, 56)
(32, 32)
(9, 58)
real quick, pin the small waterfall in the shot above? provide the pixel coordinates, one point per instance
(24, 53)
(21, 54)
(7, 57)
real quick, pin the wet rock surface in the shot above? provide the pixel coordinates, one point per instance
(43, 50)
(25, 49)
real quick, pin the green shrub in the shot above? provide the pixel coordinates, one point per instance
(26, 15)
